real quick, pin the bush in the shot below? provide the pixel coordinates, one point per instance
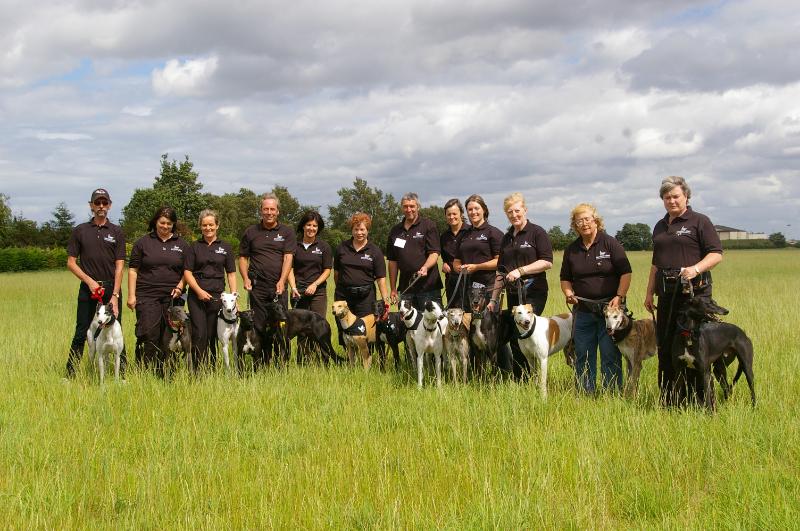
(747, 244)
(31, 259)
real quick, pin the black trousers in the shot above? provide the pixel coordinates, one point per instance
(150, 327)
(518, 362)
(678, 384)
(317, 303)
(83, 318)
(203, 316)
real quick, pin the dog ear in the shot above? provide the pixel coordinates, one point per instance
(713, 307)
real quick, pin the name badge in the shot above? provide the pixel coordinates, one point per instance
(399, 242)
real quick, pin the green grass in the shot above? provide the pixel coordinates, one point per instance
(310, 448)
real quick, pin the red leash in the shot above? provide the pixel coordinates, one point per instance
(97, 295)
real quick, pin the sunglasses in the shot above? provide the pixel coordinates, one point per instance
(101, 202)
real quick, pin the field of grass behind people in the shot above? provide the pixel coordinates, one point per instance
(309, 447)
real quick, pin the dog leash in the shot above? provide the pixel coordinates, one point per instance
(414, 278)
(455, 290)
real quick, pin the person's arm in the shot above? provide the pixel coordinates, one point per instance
(285, 268)
(495, 298)
(293, 293)
(244, 264)
(312, 288)
(392, 281)
(429, 263)
(538, 266)
(708, 263)
(651, 289)
(622, 290)
(382, 287)
(119, 268)
(189, 279)
(232, 281)
(75, 269)
(132, 274)
(569, 293)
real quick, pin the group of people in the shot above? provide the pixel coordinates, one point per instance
(279, 263)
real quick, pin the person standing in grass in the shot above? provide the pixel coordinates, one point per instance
(686, 247)
(596, 269)
(311, 267)
(454, 214)
(208, 263)
(96, 256)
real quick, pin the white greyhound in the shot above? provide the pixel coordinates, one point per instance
(426, 337)
(539, 337)
(228, 325)
(105, 337)
(456, 342)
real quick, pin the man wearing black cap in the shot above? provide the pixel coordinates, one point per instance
(100, 245)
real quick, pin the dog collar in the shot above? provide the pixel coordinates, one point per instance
(221, 315)
(104, 325)
(417, 321)
(527, 333)
(620, 334)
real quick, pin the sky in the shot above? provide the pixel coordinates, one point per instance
(565, 102)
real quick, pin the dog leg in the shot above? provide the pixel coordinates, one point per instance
(117, 361)
(543, 377)
(438, 362)
(708, 389)
(101, 365)
(420, 365)
(632, 386)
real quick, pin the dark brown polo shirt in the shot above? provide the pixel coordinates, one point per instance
(209, 263)
(449, 243)
(410, 248)
(530, 244)
(159, 264)
(358, 268)
(97, 248)
(685, 241)
(595, 272)
(309, 262)
(265, 249)
(479, 245)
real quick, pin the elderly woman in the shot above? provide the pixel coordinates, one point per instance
(595, 272)
(686, 247)
(478, 248)
(312, 265)
(454, 215)
(155, 280)
(208, 263)
(357, 265)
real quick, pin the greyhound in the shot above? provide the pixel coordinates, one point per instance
(390, 331)
(456, 342)
(426, 336)
(304, 324)
(177, 335)
(228, 325)
(358, 332)
(248, 340)
(636, 340)
(105, 337)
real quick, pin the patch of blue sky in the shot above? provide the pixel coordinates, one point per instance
(693, 15)
(78, 75)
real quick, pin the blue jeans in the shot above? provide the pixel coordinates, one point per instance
(590, 332)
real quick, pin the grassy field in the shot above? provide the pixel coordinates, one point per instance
(310, 448)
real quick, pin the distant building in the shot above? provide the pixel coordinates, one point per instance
(729, 233)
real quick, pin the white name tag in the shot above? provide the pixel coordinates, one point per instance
(399, 242)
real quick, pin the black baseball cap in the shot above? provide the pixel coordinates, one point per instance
(100, 192)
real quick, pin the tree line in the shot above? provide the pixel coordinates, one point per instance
(178, 185)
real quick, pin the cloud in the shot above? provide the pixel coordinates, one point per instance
(187, 78)
(70, 137)
(141, 111)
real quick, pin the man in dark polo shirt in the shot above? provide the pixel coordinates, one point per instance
(265, 259)
(99, 246)
(413, 247)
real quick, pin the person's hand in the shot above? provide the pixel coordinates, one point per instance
(468, 268)
(513, 275)
(131, 301)
(294, 293)
(115, 306)
(648, 303)
(689, 272)
(93, 285)
(614, 303)
(385, 311)
(204, 295)
(446, 268)
(571, 299)
(423, 271)
(311, 289)
(491, 306)
(393, 297)
(280, 286)
(248, 285)
(176, 292)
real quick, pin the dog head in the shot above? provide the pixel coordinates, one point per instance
(228, 301)
(432, 311)
(615, 319)
(700, 309)
(104, 315)
(247, 320)
(378, 310)
(477, 299)
(455, 317)
(340, 309)
(177, 315)
(407, 310)
(275, 312)
(523, 315)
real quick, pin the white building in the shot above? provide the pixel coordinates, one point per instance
(729, 233)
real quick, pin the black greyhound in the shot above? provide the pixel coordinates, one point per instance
(489, 333)
(708, 344)
(248, 341)
(307, 326)
(390, 331)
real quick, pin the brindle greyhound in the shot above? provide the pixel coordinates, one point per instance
(390, 331)
(489, 332)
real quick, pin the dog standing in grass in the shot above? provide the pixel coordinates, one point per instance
(636, 340)
(228, 325)
(539, 337)
(105, 337)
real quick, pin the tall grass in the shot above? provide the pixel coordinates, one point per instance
(309, 447)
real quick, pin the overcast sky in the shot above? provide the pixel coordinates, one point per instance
(564, 101)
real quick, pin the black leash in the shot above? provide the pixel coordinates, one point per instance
(455, 290)
(414, 278)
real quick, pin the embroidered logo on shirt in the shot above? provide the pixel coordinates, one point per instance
(482, 237)
(418, 235)
(603, 255)
(279, 238)
(525, 245)
(366, 257)
(220, 250)
(176, 248)
(110, 239)
(316, 250)
(683, 232)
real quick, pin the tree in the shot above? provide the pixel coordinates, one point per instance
(778, 239)
(560, 240)
(635, 237)
(24, 233)
(56, 232)
(176, 186)
(291, 209)
(5, 220)
(436, 214)
(383, 208)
